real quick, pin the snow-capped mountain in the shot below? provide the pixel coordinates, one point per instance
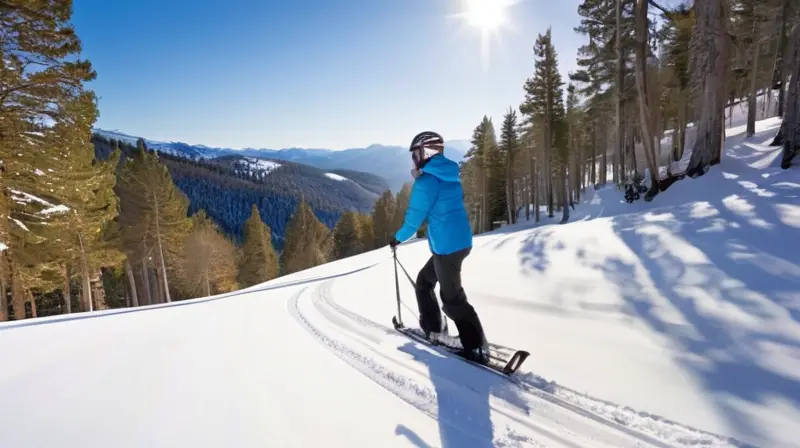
(389, 162)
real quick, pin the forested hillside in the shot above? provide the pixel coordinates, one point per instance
(227, 187)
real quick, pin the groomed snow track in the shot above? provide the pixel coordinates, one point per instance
(527, 407)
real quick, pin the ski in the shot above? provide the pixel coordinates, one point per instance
(498, 363)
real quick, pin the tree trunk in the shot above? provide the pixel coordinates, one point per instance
(66, 293)
(85, 281)
(682, 124)
(618, 92)
(782, 67)
(791, 119)
(3, 288)
(594, 153)
(710, 67)
(17, 297)
(509, 187)
(641, 88)
(131, 283)
(564, 187)
(29, 293)
(751, 100)
(531, 180)
(536, 183)
(206, 283)
(146, 281)
(161, 253)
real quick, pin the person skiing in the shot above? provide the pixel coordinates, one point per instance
(437, 195)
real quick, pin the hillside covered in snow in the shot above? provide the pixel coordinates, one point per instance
(666, 323)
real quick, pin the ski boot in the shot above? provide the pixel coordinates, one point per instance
(435, 337)
(479, 355)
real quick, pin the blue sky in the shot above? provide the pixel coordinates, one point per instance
(313, 73)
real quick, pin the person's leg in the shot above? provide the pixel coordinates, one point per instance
(430, 317)
(454, 300)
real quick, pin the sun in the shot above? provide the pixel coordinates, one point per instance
(489, 18)
(486, 15)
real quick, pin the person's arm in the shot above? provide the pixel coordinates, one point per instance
(423, 195)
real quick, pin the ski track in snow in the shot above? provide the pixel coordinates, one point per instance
(366, 333)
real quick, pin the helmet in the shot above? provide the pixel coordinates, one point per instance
(424, 146)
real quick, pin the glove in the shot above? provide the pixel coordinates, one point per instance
(394, 243)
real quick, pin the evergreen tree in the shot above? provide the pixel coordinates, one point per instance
(509, 146)
(367, 232)
(603, 66)
(401, 205)
(383, 219)
(209, 262)
(347, 240)
(483, 178)
(544, 101)
(709, 66)
(152, 218)
(308, 241)
(259, 262)
(791, 118)
(40, 76)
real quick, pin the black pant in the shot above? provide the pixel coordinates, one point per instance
(446, 270)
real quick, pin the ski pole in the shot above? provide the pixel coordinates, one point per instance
(397, 285)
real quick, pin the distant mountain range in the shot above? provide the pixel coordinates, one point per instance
(392, 163)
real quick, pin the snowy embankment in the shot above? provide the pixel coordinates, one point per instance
(669, 323)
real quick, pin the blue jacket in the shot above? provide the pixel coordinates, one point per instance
(437, 195)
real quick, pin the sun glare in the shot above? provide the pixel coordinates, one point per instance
(487, 15)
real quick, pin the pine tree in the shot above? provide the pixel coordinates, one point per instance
(383, 220)
(676, 34)
(153, 218)
(367, 232)
(209, 262)
(603, 66)
(401, 205)
(544, 101)
(642, 52)
(259, 262)
(709, 66)
(308, 241)
(509, 146)
(41, 75)
(791, 118)
(482, 171)
(347, 240)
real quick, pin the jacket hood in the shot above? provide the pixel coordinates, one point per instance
(443, 168)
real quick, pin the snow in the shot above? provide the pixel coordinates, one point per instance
(55, 209)
(26, 198)
(22, 197)
(3, 247)
(335, 176)
(21, 224)
(674, 322)
(253, 164)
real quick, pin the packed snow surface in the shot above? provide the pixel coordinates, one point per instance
(669, 323)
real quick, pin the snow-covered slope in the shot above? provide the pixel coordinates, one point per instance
(670, 323)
